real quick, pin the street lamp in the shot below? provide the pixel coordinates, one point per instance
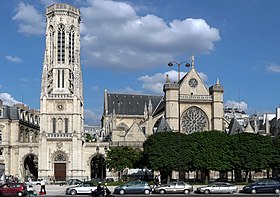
(170, 64)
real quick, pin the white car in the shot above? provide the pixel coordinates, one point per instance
(217, 187)
(34, 182)
(83, 188)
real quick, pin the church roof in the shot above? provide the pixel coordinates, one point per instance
(234, 127)
(131, 104)
(163, 126)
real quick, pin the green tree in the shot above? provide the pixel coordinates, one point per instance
(211, 151)
(251, 152)
(161, 152)
(119, 158)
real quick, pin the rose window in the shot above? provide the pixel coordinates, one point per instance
(193, 120)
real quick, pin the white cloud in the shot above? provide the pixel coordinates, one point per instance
(155, 83)
(273, 68)
(8, 99)
(92, 118)
(48, 2)
(113, 35)
(14, 59)
(30, 21)
(234, 104)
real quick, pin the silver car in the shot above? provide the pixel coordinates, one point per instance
(83, 188)
(217, 188)
(178, 187)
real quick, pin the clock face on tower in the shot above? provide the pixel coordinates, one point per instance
(193, 82)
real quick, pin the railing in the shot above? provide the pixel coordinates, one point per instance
(59, 135)
(196, 97)
(133, 144)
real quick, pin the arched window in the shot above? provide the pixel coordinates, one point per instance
(61, 44)
(51, 43)
(71, 45)
(54, 124)
(194, 119)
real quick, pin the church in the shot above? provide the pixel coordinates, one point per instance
(50, 144)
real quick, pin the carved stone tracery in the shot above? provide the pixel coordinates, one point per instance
(193, 120)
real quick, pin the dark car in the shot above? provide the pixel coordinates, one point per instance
(262, 186)
(13, 189)
(178, 187)
(134, 187)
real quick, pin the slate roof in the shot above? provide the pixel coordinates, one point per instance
(130, 104)
(234, 127)
(10, 112)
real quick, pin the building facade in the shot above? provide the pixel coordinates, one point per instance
(187, 102)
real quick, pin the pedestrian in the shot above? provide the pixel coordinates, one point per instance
(159, 179)
(43, 187)
(156, 181)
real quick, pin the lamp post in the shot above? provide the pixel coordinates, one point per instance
(170, 64)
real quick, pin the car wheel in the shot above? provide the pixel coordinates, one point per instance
(277, 191)
(207, 192)
(161, 191)
(19, 194)
(146, 192)
(253, 191)
(121, 192)
(186, 191)
(73, 192)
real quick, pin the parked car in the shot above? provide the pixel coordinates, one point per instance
(217, 187)
(83, 188)
(74, 182)
(134, 187)
(13, 189)
(174, 187)
(262, 186)
(34, 182)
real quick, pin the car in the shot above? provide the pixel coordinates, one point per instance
(83, 188)
(262, 186)
(73, 182)
(134, 187)
(34, 182)
(217, 188)
(13, 189)
(174, 187)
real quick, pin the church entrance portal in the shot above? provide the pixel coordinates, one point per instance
(60, 171)
(60, 160)
(31, 167)
(98, 167)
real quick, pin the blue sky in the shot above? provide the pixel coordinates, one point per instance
(126, 45)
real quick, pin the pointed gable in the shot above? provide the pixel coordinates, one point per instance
(163, 126)
(249, 129)
(234, 127)
(191, 83)
(134, 133)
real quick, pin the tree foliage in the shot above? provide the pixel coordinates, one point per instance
(119, 158)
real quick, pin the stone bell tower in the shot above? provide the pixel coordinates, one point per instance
(61, 101)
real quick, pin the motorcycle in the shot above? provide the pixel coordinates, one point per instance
(103, 192)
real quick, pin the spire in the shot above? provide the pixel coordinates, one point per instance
(218, 81)
(150, 107)
(192, 61)
(167, 79)
(145, 111)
